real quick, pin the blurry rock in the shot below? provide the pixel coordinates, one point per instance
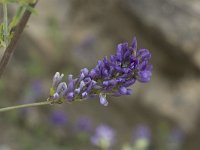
(4, 147)
(177, 101)
(176, 20)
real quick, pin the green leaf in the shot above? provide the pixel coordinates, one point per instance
(15, 20)
(8, 1)
(2, 43)
(24, 2)
(31, 9)
(1, 30)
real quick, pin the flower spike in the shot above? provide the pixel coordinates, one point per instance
(111, 76)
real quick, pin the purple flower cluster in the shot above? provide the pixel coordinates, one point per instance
(111, 76)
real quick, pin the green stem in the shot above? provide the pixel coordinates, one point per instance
(25, 106)
(5, 23)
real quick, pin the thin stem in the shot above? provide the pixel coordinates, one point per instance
(13, 43)
(25, 106)
(5, 23)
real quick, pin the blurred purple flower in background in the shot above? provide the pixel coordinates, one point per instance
(58, 118)
(84, 124)
(176, 139)
(104, 137)
(111, 76)
(32, 93)
(141, 137)
(177, 135)
(142, 132)
(36, 88)
(85, 47)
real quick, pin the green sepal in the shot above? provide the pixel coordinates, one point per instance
(51, 91)
(61, 100)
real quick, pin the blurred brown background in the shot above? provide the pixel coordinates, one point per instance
(66, 36)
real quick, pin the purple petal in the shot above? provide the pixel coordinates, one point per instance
(129, 82)
(144, 76)
(84, 94)
(85, 71)
(61, 87)
(70, 96)
(103, 100)
(71, 86)
(134, 43)
(82, 76)
(93, 73)
(82, 84)
(57, 79)
(123, 90)
(56, 96)
(70, 78)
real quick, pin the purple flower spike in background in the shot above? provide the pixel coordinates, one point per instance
(104, 137)
(84, 124)
(176, 139)
(142, 132)
(58, 118)
(37, 88)
(111, 76)
(141, 137)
